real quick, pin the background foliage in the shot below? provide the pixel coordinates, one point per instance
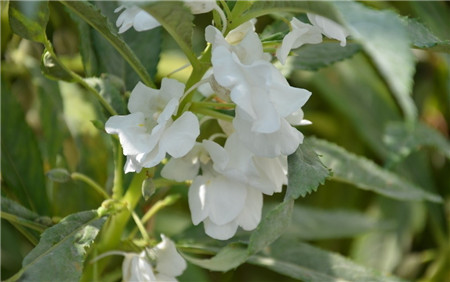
(381, 213)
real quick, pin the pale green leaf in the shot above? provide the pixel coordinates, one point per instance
(305, 172)
(307, 263)
(403, 140)
(93, 17)
(271, 227)
(365, 174)
(386, 41)
(29, 18)
(316, 56)
(61, 252)
(229, 257)
(309, 223)
(22, 215)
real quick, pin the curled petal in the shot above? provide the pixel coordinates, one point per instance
(179, 138)
(329, 28)
(169, 261)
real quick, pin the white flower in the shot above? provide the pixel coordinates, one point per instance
(223, 204)
(228, 193)
(149, 132)
(169, 263)
(134, 17)
(201, 7)
(329, 28)
(300, 34)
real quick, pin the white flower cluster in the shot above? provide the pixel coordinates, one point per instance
(160, 263)
(228, 182)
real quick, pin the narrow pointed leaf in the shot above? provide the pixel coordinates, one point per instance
(231, 256)
(365, 174)
(271, 227)
(307, 263)
(61, 252)
(28, 19)
(402, 140)
(177, 20)
(93, 17)
(386, 41)
(316, 56)
(21, 161)
(305, 172)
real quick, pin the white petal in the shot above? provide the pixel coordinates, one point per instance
(197, 199)
(164, 278)
(226, 199)
(169, 110)
(282, 142)
(179, 138)
(142, 99)
(200, 7)
(132, 165)
(220, 232)
(136, 268)
(169, 261)
(217, 153)
(144, 21)
(132, 132)
(251, 215)
(329, 28)
(237, 34)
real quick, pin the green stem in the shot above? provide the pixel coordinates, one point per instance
(117, 190)
(20, 221)
(209, 112)
(90, 182)
(79, 79)
(169, 200)
(215, 105)
(141, 227)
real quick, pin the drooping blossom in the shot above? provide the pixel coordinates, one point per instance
(149, 132)
(160, 263)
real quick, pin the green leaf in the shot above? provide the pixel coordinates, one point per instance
(177, 20)
(309, 223)
(271, 227)
(21, 162)
(403, 140)
(316, 56)
(28, 19)
(422, 37)
(260, 8)
(59, 175)
(52, 69)
(22, 215)
(386, 41)
(110, 87)
(305, 172)
(307, 263)
(61, 252)
(365, 174)
(226, 259)
(93, 17)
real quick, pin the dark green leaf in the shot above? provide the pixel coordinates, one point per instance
(307, 263)
(422, 37)
(61, 252)
(402, 140)
(385, 39)
(228, 258)
(52, 69)
(93, 16)
(177, 20)
(271, 227)
(305, 172)
(310, 223)
(23, 215)
(29, 18)
(316, 56)
(110, 88)
(21, 161)
(365, 174)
